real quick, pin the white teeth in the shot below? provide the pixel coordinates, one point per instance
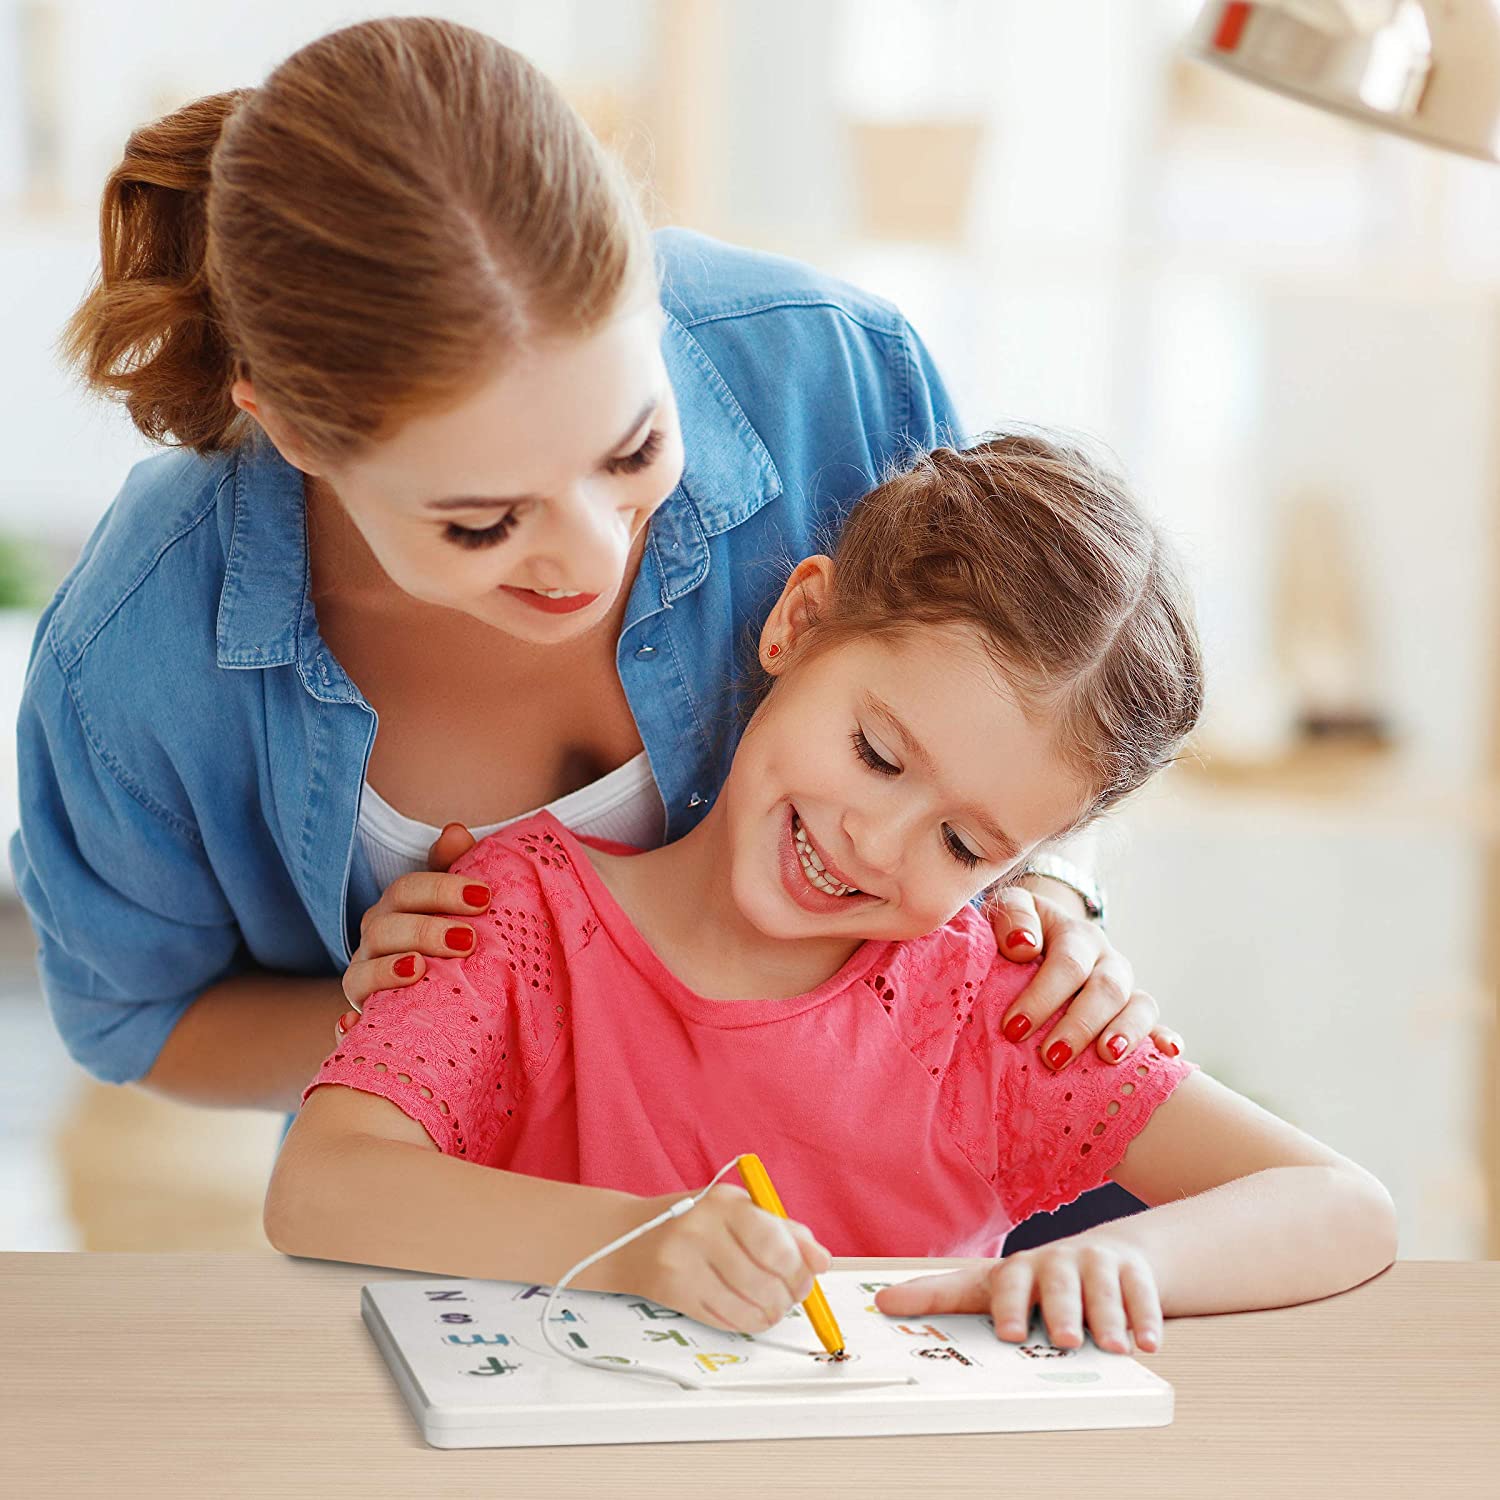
(813, 868)
(558, 593)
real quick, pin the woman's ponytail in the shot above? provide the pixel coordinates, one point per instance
(148, 333)
(387, 218)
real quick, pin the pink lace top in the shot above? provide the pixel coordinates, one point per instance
(892, 1116)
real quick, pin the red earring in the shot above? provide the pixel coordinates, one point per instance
(772, 649)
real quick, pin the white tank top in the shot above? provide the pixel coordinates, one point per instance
(624, 806)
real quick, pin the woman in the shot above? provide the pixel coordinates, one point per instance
(466, 458)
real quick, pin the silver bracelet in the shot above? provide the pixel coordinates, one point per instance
(1064, 872)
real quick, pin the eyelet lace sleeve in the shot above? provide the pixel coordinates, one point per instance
(1063, 1133)
(458, 1049)
(1039, 1137)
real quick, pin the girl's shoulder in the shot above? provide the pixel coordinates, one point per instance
(939, 987)
(962, 959)
(539, 908)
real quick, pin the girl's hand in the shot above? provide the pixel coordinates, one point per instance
(1081, 969)
(1089, 1276)
(414, 916)
(725, 1262)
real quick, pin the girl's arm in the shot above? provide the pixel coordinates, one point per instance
(1249, 1212)
(358, 1180)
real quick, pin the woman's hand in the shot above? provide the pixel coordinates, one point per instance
(1089, 1276)
(413, 917)
(1081, 969)
(725, 1262)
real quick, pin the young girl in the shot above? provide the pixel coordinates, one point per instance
(998, 650)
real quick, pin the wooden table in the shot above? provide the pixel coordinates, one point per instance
(250, 1374)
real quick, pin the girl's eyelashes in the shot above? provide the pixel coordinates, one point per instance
(866, 752)
(488, 536)
(467, 536)
(642, 458)
(876, 762)
(958, 849)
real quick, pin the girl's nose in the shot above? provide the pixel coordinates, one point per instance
(877, 840)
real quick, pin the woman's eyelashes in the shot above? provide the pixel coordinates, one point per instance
(467, 536)
(642, 458)
(877, 762)
(488, 536)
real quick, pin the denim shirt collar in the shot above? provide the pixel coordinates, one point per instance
(266, 617)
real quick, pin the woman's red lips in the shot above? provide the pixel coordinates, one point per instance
(550, 606)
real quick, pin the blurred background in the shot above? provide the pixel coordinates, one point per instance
(1285, 327)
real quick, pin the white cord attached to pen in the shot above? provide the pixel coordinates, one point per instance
(830, 1382)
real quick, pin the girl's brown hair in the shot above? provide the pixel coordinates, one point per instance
(1069, 583)
(388, 216)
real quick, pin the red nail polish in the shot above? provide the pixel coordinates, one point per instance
(1016, 1028)
(476, 895)
(1172, 1048)
(1020, 938)
(1116, 1045)
(1058, 1053)
(460, 938)
(406, 965)
(345, 1021)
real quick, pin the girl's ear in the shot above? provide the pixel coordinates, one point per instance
(802, 602)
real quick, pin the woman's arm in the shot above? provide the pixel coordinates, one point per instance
(249, 1043)
(1250, 1211)
(358, 1180)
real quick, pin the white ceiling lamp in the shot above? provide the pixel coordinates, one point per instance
(1428, 69)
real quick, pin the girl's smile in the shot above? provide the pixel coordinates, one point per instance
(810, 877)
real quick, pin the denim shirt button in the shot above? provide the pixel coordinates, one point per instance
(644, 651)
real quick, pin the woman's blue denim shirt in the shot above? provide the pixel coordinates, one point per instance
(192, 754)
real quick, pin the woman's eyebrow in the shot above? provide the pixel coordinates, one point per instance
(1008, 847)
(458, 502)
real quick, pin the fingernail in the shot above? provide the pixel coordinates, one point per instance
(406, 965)
(1172, 1048)
(1020, 938)
(1058, 1053)
(477, 895)
(460, 938)
(1116, 1045)
(1016, 1028)
(345, 1021)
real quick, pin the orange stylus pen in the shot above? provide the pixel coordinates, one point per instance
(763, 1195)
